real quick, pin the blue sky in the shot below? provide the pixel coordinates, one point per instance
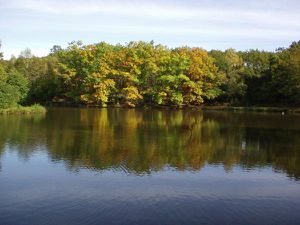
(211, 24)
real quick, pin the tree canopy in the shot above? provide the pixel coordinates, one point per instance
(144, 73)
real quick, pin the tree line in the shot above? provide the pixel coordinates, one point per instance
(143, 73)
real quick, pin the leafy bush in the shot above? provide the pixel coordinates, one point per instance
(13, 88)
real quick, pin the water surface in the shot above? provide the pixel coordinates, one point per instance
(169, 167)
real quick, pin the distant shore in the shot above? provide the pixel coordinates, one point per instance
(22, 110)
(38, 109)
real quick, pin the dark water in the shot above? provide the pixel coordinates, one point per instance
(127, 167)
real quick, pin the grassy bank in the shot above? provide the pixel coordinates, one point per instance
(253, 109)
(34, 109)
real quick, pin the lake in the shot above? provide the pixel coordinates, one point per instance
(149, 166)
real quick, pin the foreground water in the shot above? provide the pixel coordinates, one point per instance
(120, 166)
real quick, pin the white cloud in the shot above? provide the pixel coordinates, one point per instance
(125, 8)
(26, 22)
(162, 11)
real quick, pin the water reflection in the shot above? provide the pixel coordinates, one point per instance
(142, 141)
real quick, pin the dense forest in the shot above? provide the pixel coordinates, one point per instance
(143, 73)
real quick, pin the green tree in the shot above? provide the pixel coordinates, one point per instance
(13, 88)
(232, 66)
(286, 74)
(257, 73)
(19, 83)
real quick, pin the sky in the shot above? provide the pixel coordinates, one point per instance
(210, 24)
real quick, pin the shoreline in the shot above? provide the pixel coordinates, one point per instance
(281, 109)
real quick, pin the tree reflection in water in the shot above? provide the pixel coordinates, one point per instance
(142, 141)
